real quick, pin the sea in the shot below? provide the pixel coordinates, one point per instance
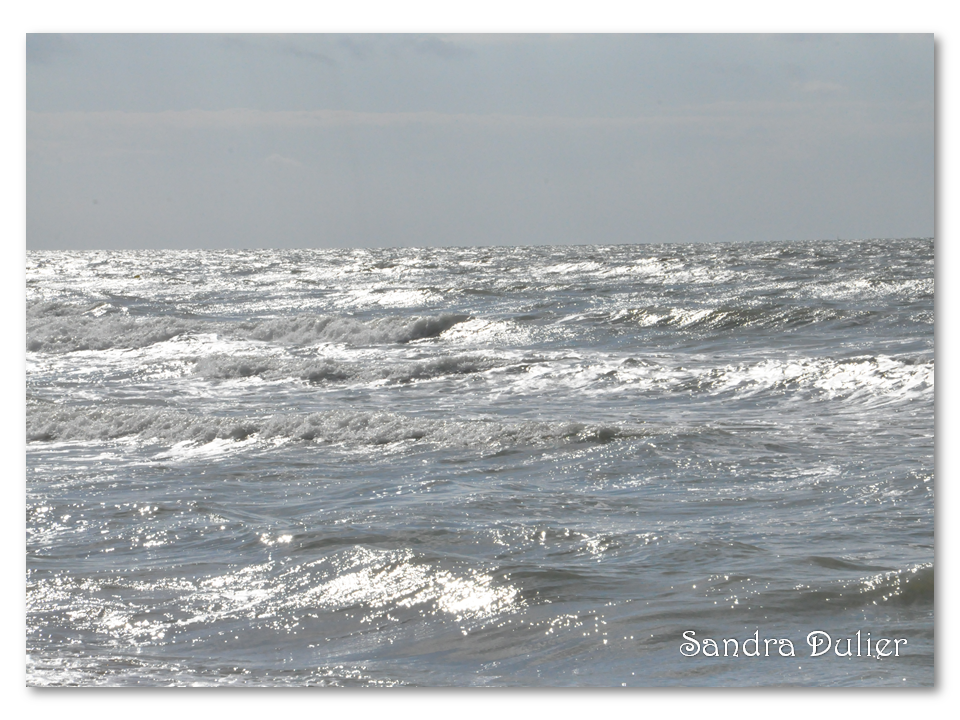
(613, 466)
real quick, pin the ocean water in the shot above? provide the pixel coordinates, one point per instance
(481, 466)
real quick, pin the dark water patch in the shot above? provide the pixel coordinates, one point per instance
(832, 563)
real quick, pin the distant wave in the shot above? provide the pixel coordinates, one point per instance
(60, 328)
(307, 330)
(869, 377)
(730, 317)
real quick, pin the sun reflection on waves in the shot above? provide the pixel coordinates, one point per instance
(382, 579)
(374, 582)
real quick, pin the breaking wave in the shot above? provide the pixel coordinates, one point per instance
(866, 376)
(309, 330)
(60, 328)
(69, 333)
(47, 422)
(731, 317)
(223, 367)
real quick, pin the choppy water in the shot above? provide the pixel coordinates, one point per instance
(481, 466)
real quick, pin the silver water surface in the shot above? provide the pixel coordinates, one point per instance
(478, 466)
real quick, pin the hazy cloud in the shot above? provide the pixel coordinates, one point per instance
(304, 54)
(818, 86)
(45, 48)
(446, 49)
(476, 139)
(276, 159)
(276, 45)
(713, 119)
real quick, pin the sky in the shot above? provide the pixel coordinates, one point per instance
(254, 141)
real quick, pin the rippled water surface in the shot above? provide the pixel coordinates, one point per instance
(480, 466)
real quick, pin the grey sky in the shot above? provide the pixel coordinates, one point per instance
(376, 140)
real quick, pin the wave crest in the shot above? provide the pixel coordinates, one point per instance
(47, 423)
(58, 328)
(309, 330)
